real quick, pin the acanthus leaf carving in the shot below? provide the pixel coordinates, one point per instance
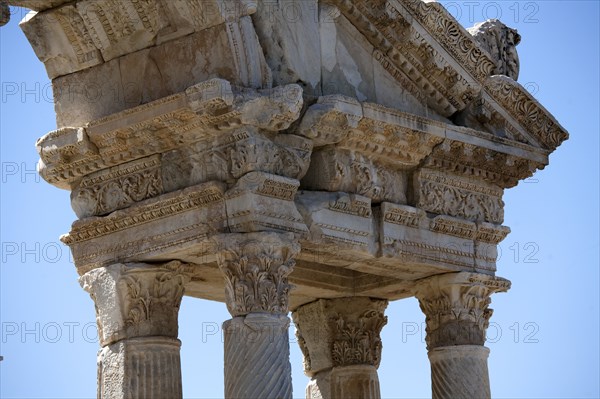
(448, 194)
(256, 267)
(136, 300)
(340, 332)
(358, 342)
(118, 187)
(456, 306)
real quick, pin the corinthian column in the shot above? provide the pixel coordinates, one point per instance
(341, 345)
(457, 317)
(136, 310)
(256, 267)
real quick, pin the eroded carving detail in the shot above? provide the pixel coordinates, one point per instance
(136, 300)
(340, 332)
(177, 203)
(256, 267)
(456, 306)
(358, 342)
(527, 111)
(501, 42)
(451, 195)
(199, 114)
(117, 188)
(352, 172)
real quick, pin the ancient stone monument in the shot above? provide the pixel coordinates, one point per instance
(320, 157)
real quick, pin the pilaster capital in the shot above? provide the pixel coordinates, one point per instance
(136, 299)
(456, 306)
(256, 267)
(340, 332)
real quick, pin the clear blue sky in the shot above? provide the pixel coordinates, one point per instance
(544, 336)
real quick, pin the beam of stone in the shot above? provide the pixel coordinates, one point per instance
(256, 267)
(136, 310)
(340, 340)
(457, 317)
(382, 142)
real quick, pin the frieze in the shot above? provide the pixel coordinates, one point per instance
(334, 169)
(178, 202)
(234, 154)
(171, 122)
(117, 187)
(446, 194)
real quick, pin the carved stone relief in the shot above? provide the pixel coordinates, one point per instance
(500, 42)
(447, 194)
(256, 267)
(349, 171)
(136, 300)
(456, 306)
(340, 332)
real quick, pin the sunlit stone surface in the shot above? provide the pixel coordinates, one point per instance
(325, 166)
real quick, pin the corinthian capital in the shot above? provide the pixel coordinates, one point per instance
(256, 267)
(340, 332)
(456, 306)
(136, 300)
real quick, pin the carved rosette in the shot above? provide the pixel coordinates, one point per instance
(456, 306)
(256, 267)
(136, 300)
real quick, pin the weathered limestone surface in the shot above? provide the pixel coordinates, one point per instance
(358, 150)
(136, 310)
(256, 267)
(341, 345)
(456, 307)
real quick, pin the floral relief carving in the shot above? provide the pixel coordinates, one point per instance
(159, 295)
(447, 194)
(456, 306)
(256, 267)
(358, 342)
(136, 300)
(118, 193)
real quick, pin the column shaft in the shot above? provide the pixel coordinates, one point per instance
(140, 368)
(256, 268)
(257, 345)
(460, 370)
(456, 306)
